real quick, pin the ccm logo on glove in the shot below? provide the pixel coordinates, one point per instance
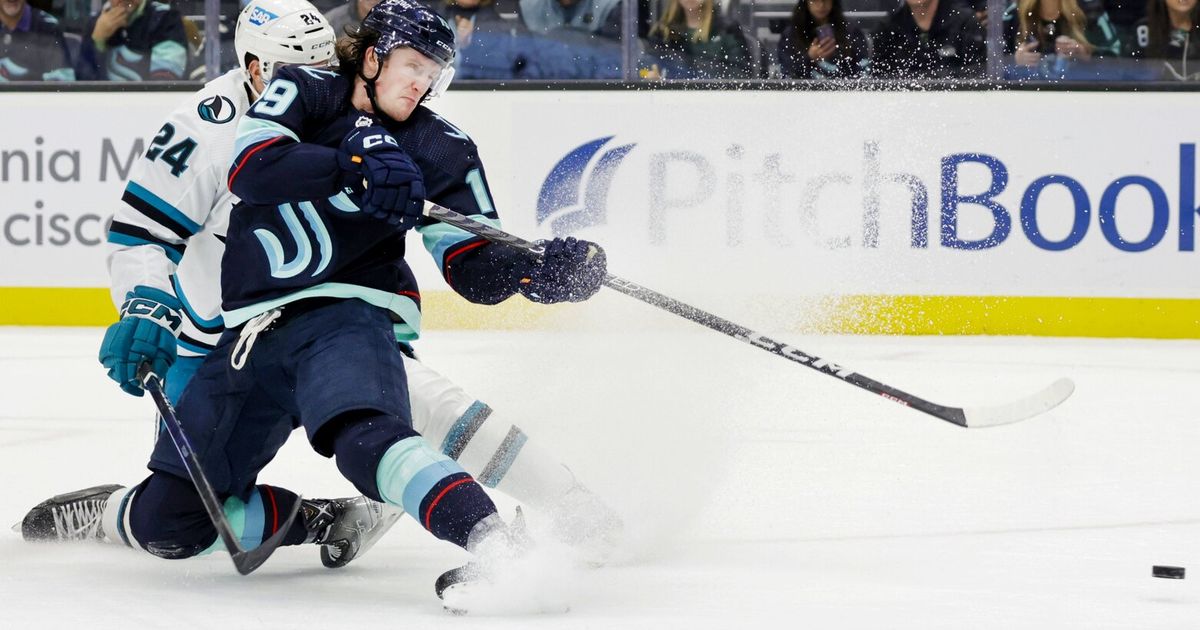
(155, 311)
(377, 139)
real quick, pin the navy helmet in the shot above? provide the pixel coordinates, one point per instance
(408, 23)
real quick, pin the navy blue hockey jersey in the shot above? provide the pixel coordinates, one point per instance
(298, 231)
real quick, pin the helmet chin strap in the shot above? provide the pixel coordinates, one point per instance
(251, 95)
(369, 85)
(248, 80)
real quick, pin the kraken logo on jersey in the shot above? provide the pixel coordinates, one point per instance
(281, 268)
(575, 193)
(218, 109)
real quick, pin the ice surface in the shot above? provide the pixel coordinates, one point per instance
(757, 493)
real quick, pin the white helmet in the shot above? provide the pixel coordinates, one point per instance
(282, 32)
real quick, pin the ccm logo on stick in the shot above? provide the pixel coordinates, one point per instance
(796, 354)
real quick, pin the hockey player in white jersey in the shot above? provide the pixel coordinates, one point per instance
(165, 248)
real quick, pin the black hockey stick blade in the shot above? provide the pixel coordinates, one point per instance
(244, 561)
(970, 417)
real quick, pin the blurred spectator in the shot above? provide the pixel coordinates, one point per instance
(349, 15)
(199, 39)
(72, 15)
(1171, 31)
(1124, 15)
(32, 47)
(819, 44)
(698, 43)
(929, 39)
(601, 17)
(1056, 32)
(979, 8)
(133, 40)
(467, 15)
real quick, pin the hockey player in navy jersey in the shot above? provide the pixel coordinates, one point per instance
(176, 189)
(333, 169)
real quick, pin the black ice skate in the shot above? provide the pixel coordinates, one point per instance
(490, 538)
(508, 574)
(69, 517)
(346, 528)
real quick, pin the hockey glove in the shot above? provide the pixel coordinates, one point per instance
(395, 190)
(570, 270)
(145, 333)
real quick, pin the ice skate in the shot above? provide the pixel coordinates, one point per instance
(68, 517)
(346, 528)
(583, 521)
(508, 574)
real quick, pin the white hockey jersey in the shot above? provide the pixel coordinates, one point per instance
(177, 200)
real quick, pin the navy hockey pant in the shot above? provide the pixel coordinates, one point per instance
(335, 370)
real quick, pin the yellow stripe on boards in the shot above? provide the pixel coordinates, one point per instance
(1154, 318)
(55, 306)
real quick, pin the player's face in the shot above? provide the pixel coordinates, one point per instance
(405, 78)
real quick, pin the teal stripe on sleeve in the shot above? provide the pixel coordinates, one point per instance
(251, 131)
(161, 205)
(210, 323)
(133, 241)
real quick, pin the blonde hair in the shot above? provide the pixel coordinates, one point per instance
(674, 21)
(1030, 20)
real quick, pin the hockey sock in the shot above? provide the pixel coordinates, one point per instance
(388, 461)
(502, 457)
(115, 522)
(165, 516)
(433, 488)
(260, 516)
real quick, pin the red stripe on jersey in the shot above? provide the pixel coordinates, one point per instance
(256, 149)
(446, 265)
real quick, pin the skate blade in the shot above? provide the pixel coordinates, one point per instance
(482, 599)
(389, 518)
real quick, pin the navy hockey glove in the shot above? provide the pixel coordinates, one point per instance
(395, 190)
(145, 334)
(570, 270)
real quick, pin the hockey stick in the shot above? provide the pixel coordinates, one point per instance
(244, 561)
(969, 417)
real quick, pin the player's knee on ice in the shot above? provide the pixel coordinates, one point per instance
(167, 518)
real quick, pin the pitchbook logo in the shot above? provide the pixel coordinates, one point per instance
(575, 194)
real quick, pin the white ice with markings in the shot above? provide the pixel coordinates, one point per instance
(757, 493)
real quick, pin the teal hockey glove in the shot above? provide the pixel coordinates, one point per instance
(146, 332)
